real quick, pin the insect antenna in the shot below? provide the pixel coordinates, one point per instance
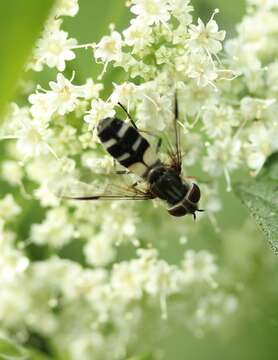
(128, 115)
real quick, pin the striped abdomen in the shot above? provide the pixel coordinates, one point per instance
(127, 146)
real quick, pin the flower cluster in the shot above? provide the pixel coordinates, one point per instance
(55, 47)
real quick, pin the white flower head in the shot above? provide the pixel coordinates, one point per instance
(8, 208)
(99, 110)
(202, 70)
(151, 11)
(12, 172)
(181, 9)
(99, 250)
(262, 142)
(206, 37)
(67, 8)
(155, 111)
(199, 266)
(223, 154)
(138, 34)
(33, 139)
(43, 105)
(46, 196)
(53, 50)
(127, 279)
(65, 95)
(124, 93)
(213, 309)
(219, 121)
(109, 48)
(56, 230)
(90, 90)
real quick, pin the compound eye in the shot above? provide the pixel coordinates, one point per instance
(177, 211)
(195, 194)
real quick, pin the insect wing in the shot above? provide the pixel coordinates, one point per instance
(85, 192)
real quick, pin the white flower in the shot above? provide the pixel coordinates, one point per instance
(138, 35)
(262, 142)
(43, 105)
(219, 121)
(46, 196)
(12, 172)
(126, 280)
(272, 77)
(89, 90)
(8, 208)
(193, 99)
(124, 93)
(213, 309)
(206, 37)
(151, 11)
(256, 109)
(67, 8)
(109, 48)
(33, 139)
(65, 95)
(199, 266)
(101, 165)
(160, 281)
(264, 4)
(201, 70)
(54, 49)
(99, 251)
(155, 111)
(99, 110)
(56, 230)
(222, 154)
(181, 9)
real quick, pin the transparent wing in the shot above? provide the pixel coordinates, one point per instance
(87, 192)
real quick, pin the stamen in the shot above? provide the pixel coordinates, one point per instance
(228, 179)
(216, 11)
(72, 76)
(152, 101)
(214, 223)
(83, 46)
(163, 307)
(52, 151)
(103, 71)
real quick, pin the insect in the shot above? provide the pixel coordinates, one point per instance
(126, 144)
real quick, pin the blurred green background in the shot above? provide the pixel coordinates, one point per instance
(256, 336)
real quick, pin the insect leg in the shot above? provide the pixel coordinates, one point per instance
(158, 145)
(177, 132)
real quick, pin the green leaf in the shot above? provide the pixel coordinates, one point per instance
(10, 351)
(260, 195)
(21, 24)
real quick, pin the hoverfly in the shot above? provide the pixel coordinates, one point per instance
(125, 143)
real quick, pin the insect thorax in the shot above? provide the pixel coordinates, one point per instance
(166, 184)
